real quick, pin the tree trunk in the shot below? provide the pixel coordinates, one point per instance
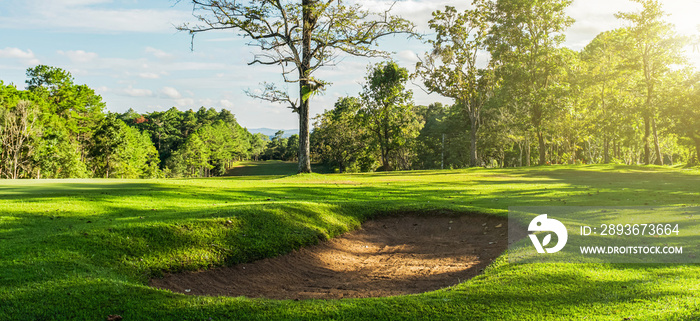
(384, 146)
(697, 148)
(606, 150)
(520, 147)
(657, 148)
(304, 148)
(647, 151)
(527, 152)
(472, 135)
(540, 139)
(309, 20)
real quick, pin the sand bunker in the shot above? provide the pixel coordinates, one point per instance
(387, 256)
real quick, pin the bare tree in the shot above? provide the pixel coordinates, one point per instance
(300, 38)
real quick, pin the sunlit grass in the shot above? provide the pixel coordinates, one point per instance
(84, 249)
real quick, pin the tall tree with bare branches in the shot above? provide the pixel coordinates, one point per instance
(300, 37)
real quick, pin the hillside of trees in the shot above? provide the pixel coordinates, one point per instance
(630, 97)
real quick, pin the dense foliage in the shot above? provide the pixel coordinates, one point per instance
(628, 97)
(57, 129)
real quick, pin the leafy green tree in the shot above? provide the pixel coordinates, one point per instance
(122, 151)
(300, 37)
(338, 138)
(189, 123)
(681, 101)
(525, 43)
(655, 47)
(292, 150)
(138, 156)
(451, 67)
(387, 111)
(206, 116)
(78, 105)
(195, 156)
(258, 144)
(277, 147)
(108, 139)
(431, 151)
(165, 131)
(50, 78)
(56, 155)
(607, 83)
(225, 142)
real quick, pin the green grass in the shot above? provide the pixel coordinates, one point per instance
(84, 249)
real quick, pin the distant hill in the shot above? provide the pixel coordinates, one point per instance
(271, 132)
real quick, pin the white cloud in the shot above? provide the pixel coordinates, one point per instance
(225, 103)
(78, 56)
(73, 3)
(26, 57)
(205, 101)
(134, 92)
(85, 16)
(408, 58)
(149, 75)
(16, 53)
(160, 54)
(419, 12)
(170, 92)
(187, 103)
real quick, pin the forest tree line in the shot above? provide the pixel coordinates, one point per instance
(58, 129)
(521, 98)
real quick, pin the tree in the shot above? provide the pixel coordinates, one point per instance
(307, 35)
(387, 110)
(338, 137)
(51, 78)
(524, 42)
(258, 143)
(451, 69)
(292, 150)
(138, 158)
(19, 126)
(195, 156)
(108, 138)
(78, 105)
(607, 83)
(277, 146)
(682, 104)
(434, 148)
(165, 132)
(656, 47)
(56, 153)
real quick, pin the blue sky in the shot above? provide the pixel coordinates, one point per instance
(131, 54)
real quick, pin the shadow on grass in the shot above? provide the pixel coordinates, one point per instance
(271, 168)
